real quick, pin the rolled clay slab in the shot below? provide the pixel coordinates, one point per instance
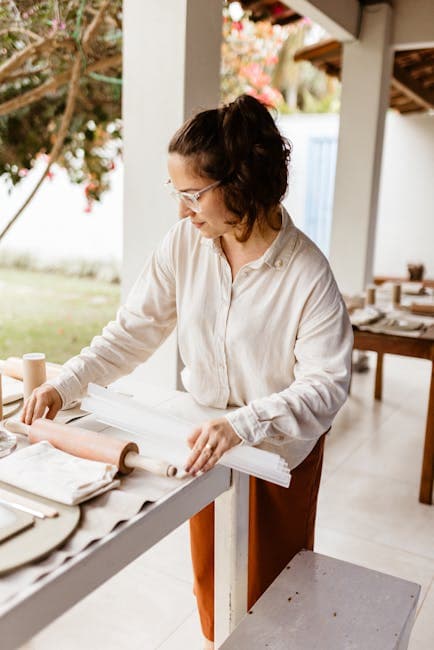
(13, 367)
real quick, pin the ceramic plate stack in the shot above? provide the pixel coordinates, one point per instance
(38, 540)
(12, 391)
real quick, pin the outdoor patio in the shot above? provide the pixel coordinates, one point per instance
(362, 190)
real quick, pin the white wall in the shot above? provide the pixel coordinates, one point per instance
(405, 227)
(55, 225)
(299, 129)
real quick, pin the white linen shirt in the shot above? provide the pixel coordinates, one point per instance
(275, 343)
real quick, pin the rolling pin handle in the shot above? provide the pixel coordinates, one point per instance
(159, 467)
(14, 426)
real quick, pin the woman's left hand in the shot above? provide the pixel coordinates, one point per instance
(209, 442)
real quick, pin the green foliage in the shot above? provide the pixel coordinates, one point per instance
(94, 138)
(258, 59)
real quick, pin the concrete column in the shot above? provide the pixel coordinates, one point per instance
(171, 69)
(341, 20)
(367, 66)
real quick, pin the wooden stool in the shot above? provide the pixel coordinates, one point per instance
(319, 603)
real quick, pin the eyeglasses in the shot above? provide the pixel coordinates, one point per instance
(190, 199)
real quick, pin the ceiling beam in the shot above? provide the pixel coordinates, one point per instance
(340, 19)
(413, 24)
(319, 52)
(403, 82)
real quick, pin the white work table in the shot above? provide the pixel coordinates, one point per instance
(49, 597)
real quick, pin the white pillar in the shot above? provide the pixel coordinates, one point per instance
(171, 69)
(367, 66)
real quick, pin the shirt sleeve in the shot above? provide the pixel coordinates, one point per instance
(141, 325)
(306, 409)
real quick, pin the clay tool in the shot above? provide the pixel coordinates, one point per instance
(17, 500)
(18, 506)
(91, 445)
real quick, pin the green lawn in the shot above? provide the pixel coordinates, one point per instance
(52, 313)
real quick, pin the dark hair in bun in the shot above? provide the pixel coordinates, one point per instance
(240, 145)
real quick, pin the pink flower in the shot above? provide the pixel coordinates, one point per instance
(272, 59)
(254, 73)
(269, 96)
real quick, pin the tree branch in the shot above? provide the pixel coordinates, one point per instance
(63, 130)
(73, 75)
(94, 25)
(21, 74)
(50, 86)
(28, 52)
(21, 30)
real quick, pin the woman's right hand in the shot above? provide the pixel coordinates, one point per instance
(43, 397)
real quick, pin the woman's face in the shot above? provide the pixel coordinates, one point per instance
(210, 221)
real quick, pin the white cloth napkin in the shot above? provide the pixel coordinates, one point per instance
(44, 470)
(366, 316)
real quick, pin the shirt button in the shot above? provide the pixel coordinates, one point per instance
(278, 264)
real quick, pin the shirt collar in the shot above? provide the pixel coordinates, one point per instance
(277, 255)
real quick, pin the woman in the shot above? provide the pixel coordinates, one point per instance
(261, 326)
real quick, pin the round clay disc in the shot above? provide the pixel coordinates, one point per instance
(43, 537)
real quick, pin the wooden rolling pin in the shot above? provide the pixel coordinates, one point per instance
(90, 445)
(424, 309)
(13, 367)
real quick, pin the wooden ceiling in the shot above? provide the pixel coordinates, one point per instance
(412, 83)
(278, 13)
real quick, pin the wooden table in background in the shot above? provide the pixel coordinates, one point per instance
(421, 347)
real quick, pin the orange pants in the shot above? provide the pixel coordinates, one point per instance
(282, 522)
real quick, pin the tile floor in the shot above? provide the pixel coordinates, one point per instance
(368, 514)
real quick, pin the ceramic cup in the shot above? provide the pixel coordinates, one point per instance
(396, 294)
(370, 296)
(34, 372)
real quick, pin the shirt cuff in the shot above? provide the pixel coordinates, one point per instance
(68, 387)
(246, 425)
